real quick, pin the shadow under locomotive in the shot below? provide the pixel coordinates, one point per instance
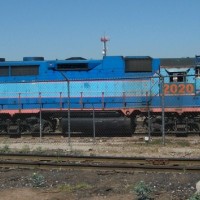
(98, 124)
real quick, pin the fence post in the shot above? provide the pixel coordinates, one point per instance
(149, 119)
(149, 122)
(40, 97)
(94, 128)
(163, 110)
(69, 128)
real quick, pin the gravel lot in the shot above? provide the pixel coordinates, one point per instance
(97, 185)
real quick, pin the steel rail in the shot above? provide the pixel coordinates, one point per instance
(43, 165)
(99, 162)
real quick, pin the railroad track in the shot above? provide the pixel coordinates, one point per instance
(33, 161)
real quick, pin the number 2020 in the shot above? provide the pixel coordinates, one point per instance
(178, 88)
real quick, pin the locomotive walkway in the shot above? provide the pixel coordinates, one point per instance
(35, 161)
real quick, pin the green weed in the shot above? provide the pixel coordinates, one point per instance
(143, 191)
(37, 180)
(25, 149)
(195, 196)
(5, 149)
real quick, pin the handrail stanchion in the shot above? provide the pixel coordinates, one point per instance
(68, 102)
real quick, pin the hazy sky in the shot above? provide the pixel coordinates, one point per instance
(66, 28)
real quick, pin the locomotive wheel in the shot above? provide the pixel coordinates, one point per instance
(47, 129)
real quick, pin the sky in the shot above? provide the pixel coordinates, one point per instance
(59, 29)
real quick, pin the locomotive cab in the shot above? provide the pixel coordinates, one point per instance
(180, 89)
(197, 67)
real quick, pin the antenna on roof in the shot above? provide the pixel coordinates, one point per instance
(104, 39)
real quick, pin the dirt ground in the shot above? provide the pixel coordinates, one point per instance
(20, 184)
(94, 185)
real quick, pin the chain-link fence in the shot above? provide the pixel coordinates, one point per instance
(149, 106)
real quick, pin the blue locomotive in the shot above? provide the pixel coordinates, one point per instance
(119, 89)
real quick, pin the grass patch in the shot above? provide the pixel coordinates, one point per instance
(39, 150)
(5, 149)
(183, 143)
(25, 149)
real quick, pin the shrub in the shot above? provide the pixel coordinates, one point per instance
(37, 180)
(143, 191)
(195, 196)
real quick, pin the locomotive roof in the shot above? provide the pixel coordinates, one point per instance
(177, 62)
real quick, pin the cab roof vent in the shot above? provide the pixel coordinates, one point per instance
(2, 59)
(33, 58)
